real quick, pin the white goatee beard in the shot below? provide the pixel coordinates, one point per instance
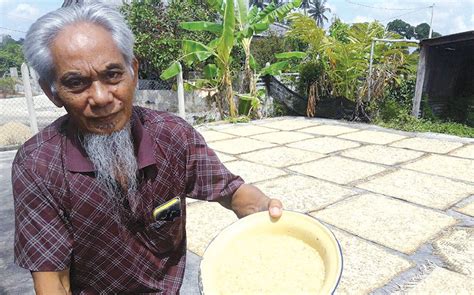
(116, 167)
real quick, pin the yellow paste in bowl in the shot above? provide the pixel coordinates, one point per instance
(270, 264)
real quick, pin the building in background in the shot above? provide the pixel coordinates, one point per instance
(445, 77)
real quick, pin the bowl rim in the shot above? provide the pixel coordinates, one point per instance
(325, 226)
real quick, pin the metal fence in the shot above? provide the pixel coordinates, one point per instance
(20, 117)
(16, 124)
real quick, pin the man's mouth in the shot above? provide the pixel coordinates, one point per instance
(107, 118)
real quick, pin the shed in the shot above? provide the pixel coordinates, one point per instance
(445, 77)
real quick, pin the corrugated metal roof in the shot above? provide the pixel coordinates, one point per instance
(458, 37)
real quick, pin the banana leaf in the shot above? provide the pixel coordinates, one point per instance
(253, 63)
(196, 51)
(226, 42)
(290, 54)
(213, 44)
(171, 71)
(202, 26)
(242, 10)
(272, 13)
(275, 68)
(210, 71)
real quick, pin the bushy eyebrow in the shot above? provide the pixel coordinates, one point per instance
(114, 66)
(72, 75)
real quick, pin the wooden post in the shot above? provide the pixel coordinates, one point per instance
(181, 109)
(25, 75)
(369, 89)
(420, 80)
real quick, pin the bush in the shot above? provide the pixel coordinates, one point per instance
(407, 122)
(395, 112)
(402, 93)
(7, 86)
(310, 73)
(460, 109)
(264, 49)
(158, 34)
(396, 116)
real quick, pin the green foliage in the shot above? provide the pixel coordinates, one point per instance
(264, 49)
(238, 26)
(7, 86)
(402, 28)
(154, 43)
(251, 21)
(219, 49)
(402, 93)
(239, 119)
(339, 31)
(460, 109)
(406, 122)
(279, 109)
(158, 33)
(290, 55)
(286, 62)
(395, 112)
(305, 30)
(249, 103)
(347, 64)
(422, 31)
(408, 31)
(337, 65)
(309, 72)
(11, 55)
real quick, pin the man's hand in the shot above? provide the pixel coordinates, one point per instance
(248, 200)
(52, 282)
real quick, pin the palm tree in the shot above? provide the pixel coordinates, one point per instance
(317, 10)
(305, 5)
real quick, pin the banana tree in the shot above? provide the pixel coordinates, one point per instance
(219, 50)
(252, 101)
(252, 21)
(249, 21)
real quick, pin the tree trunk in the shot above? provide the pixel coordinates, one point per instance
(248, 84)
(228, 95)
(313, 98)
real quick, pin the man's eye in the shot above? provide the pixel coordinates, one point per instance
(75, 84)
(114, 75)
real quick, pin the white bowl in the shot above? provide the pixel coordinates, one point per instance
(296, 225)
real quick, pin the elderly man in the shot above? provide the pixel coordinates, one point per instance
(90, 188)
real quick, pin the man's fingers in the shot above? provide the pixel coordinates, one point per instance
(275, 208)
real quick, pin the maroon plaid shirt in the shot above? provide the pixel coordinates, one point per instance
(63, 220)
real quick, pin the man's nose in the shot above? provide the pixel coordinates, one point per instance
(100, 95)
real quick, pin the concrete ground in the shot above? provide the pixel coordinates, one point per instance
(401, 204)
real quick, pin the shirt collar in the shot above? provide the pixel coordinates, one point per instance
(78, 161)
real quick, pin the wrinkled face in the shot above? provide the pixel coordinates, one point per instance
(92, 80)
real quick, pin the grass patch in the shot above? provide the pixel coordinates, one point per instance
(395, 112)
(407, 122)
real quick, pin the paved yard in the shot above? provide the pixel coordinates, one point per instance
(401, 204)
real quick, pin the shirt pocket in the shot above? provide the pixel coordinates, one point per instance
(163, 236)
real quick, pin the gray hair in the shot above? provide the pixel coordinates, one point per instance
(41, 34)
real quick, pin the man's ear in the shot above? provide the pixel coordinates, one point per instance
(135, 70)
(49, 93)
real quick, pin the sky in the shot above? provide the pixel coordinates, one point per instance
(449, 16)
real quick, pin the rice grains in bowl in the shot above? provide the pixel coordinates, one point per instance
(257, 255)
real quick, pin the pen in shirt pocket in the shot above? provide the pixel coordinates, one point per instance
(168, 211)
